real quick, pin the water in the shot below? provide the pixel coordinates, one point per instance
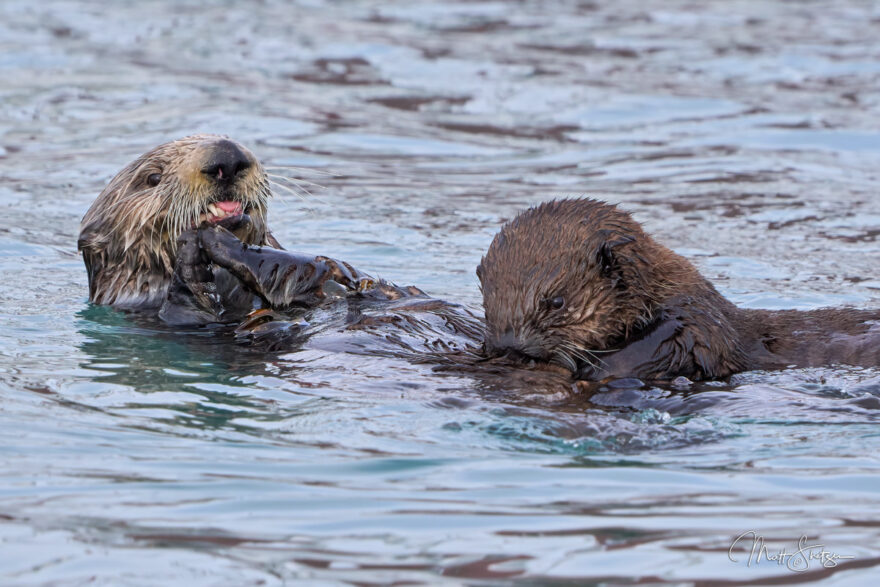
(743, 134)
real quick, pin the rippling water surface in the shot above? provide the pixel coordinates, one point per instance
(744, 134)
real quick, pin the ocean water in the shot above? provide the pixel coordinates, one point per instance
(744, 135)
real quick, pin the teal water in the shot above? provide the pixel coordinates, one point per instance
(745, 135)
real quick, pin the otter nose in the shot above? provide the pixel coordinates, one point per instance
(226, 161)
(509, 344)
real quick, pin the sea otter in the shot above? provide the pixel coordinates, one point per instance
(128, 237)
(141, 250)
(577, 282)
(181, 234)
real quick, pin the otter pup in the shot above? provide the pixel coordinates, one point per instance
(578, 283)
(141, 250)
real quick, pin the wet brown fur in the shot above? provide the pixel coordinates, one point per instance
(128, 236)
(632, 307)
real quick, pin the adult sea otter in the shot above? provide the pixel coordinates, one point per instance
(181, 233)
(141, 251)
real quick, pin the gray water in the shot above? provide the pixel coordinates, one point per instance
(743, 134)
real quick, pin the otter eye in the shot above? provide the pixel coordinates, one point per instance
(555, 303)
(154, 178)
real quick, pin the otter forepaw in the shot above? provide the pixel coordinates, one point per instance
(192, 297)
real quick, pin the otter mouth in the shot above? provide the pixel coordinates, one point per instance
(217, 211)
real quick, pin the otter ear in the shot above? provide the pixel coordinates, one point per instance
(605, 254)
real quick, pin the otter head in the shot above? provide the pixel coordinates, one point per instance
(128, 237)
(571, 277)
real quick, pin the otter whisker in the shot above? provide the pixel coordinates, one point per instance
(586, 355)
(290, 191)
(305, 170)
(293, 185)
(264, 193)
(296, 181)
(584, 358)
(183, 213)
(565, 360)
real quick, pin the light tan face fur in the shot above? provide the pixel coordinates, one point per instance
(128, 236)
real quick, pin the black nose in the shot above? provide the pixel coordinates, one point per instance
(226, 161)
(508, 344)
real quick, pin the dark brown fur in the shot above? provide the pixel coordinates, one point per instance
(580, 284)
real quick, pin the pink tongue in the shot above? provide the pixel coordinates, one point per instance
(229, 207)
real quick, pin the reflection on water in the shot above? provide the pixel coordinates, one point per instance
(743, 134)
